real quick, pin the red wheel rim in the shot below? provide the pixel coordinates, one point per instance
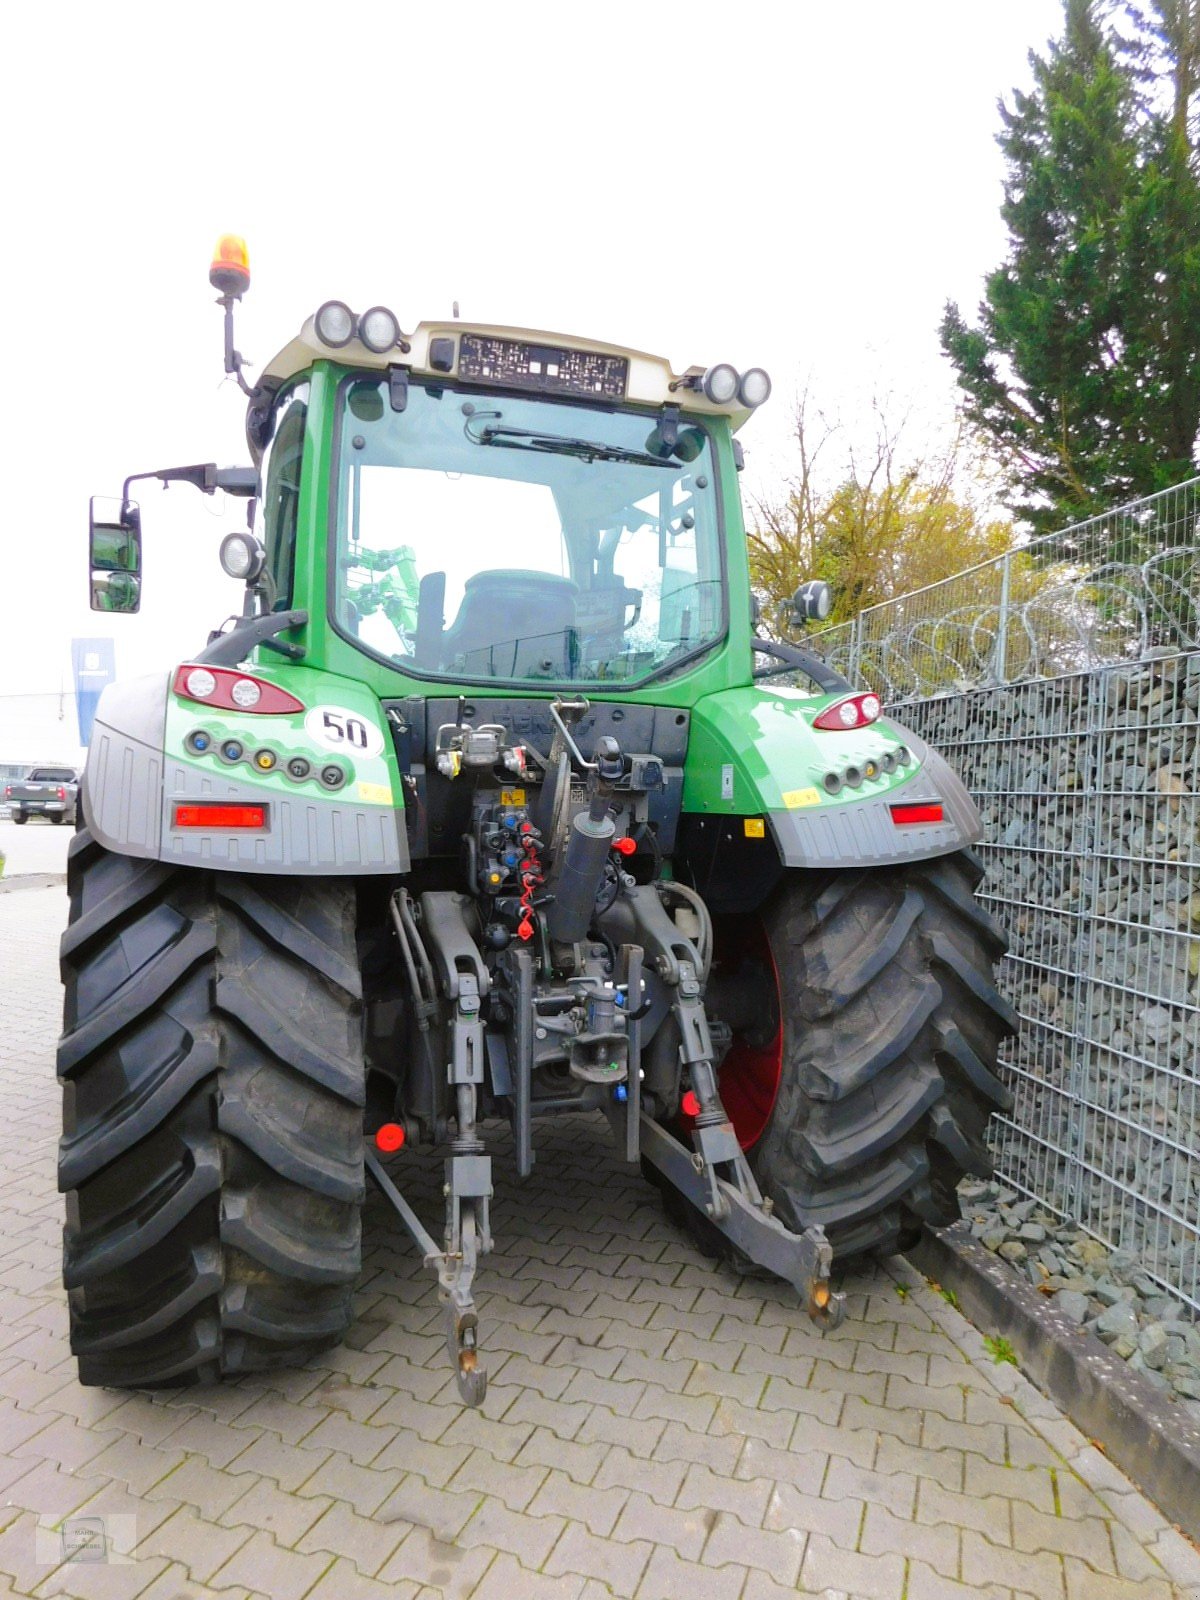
(750, 1073)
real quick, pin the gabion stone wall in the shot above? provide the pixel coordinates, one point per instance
(1090, 790)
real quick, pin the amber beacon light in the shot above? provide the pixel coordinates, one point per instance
(230, 269)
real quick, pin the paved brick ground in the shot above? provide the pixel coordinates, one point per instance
(655, 1428)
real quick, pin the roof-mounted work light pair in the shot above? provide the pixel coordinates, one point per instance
(724, 384)
(377, 328)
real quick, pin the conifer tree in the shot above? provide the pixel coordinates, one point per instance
(1082, 372)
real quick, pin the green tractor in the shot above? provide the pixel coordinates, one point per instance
(491, 806)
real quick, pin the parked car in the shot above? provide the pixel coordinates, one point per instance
(51, 792)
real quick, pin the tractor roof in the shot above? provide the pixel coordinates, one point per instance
(651, 380)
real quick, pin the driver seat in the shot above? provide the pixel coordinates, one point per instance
(514, 624)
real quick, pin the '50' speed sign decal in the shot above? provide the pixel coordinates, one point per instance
(336, 728)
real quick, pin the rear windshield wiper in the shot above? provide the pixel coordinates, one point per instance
(556, 444)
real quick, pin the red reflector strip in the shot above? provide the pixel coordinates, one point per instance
(213, 816)
(923, 813)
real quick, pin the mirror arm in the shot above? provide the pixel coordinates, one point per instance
(203, 476)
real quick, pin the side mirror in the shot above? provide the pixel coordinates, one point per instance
(115, 554)
(811, 602)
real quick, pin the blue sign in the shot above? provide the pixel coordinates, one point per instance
(93, 664)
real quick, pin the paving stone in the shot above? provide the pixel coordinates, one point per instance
(422, 1383)
(196, 1484)
(61, 1440)
(685, 1531)
(202, 1547)
(364, 1541)
(777, 1551)
(264, 1565)
(361, 1441)
(286, 1517)
(112, 1500)
(746, 1499)
(477, 1470)
(506, 1579)
(1084, 1583)
(571, 1352)
(137, 1467)
(895, 1490)
(561, 1417)
(527, 1537)
(1033, 1484)
(1084, 1537)
(288, 1465)
(19, 1549)
(988, 1514)
(620, 1566)
(343, 1581)
(546, 1449)
(812, 1445)
(98, 1580)
(473, 1428)
(217, 1442)
(789, 1510)
(712, 1450)
(827, 1566)
(445, 1512)
(747, 1389)
(446, 1569)
(1023, 1447)
(661, 1480)
(937, 1544)
(364, 1488)
(669, 1578)
(598, 1509)
(926, 1584)
(1040, 1572)
(47, 1492)
(694, 1411)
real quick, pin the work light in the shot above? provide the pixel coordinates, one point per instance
(754, 388)
(379, 330)
(721, 383)
(242, 556)
(334, 323)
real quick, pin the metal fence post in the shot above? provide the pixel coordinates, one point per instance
(1000, 666)
(856, 651)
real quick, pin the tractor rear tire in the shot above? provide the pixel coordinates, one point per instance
(888, 1023)
(212, 1152)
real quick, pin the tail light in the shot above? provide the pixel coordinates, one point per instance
(62, 793)
(8, 791)
(926, 811)
(208, 815)
(233, 691)
(855, 711)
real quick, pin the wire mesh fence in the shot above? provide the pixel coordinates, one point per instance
(1063, 683)
(1103, 591)
(1092, 845)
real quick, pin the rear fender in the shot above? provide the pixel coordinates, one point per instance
(141, 765)
(757, 768)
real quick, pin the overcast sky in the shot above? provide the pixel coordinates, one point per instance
(798, 186)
